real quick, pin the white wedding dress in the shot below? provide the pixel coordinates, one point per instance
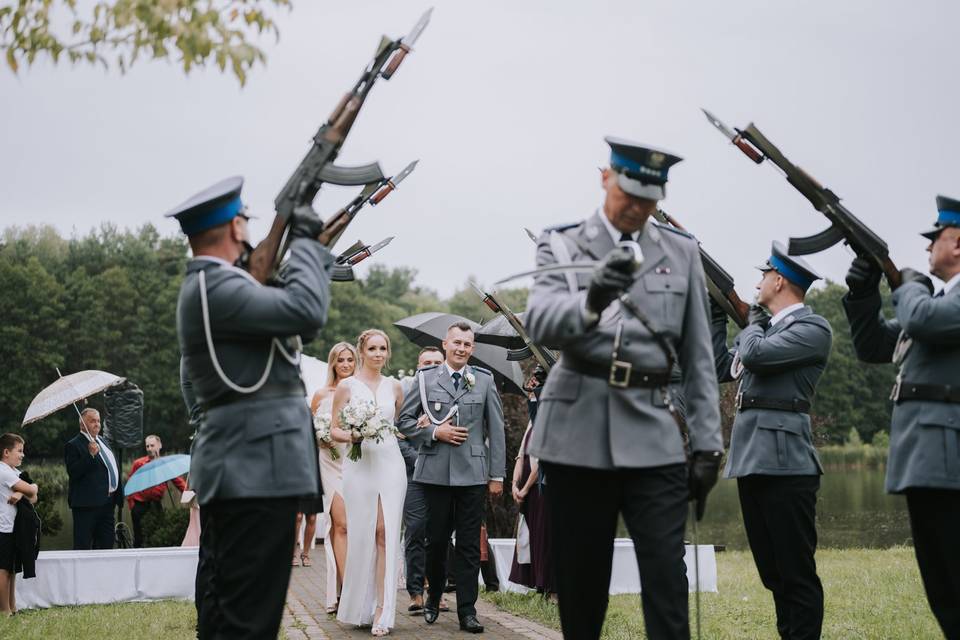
(380, 474)
(332, 479)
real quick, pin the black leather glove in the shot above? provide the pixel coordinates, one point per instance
(863, 278)
(305, 223)
(912, 275)
(759, 316)
(717, 314)
(704, 470)
(612, 277)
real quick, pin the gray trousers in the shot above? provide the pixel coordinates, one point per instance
(415, 548)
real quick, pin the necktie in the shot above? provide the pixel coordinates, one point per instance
(939, 294)
(626, 237)
(456, 380)
(107, 462)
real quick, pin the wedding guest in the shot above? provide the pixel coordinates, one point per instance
(93, 486)
(12, 490)
(143, 501)
(341, 363)
(531, 562)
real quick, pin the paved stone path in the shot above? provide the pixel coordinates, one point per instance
(305, 619)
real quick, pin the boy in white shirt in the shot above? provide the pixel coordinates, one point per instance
(12, 490)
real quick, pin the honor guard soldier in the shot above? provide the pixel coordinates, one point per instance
(254, 453)
(924, 342)
(607, 433)
(778, 361)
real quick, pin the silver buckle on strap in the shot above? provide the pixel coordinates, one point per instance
(895, 392)
(620, 372)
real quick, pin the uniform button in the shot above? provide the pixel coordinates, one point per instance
(666, 286)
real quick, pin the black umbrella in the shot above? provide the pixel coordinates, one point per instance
(500, 333)
(429, 330)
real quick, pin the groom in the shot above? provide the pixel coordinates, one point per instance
(461, 457)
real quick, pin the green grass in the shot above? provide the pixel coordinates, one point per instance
(167, 620)
(869, 595)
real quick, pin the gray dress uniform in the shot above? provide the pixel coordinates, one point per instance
(254, 452)
(924, 460)
(610, 448)
(454, 478)
(771, 446)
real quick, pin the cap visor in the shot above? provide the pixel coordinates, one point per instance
(640, 190)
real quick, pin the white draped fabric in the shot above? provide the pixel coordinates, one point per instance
(624, 578)
(100, 577)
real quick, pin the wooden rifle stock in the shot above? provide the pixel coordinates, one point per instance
(262, 261)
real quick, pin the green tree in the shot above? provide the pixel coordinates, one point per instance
(121, 31)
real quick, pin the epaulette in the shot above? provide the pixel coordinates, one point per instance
(563, 227)
(481, 370)
(670, 227)
(430, 368)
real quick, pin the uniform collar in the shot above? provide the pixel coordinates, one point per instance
(223, 263)
(451, 370)
(783, 313)
(612, 230)
(951, 283)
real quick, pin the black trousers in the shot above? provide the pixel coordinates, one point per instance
(584, 505)
(93, 527)
(242, 580)
(450, 508)
(935, 523)
(779, 517)
(415, 536)
(488, 568)
(139, 510)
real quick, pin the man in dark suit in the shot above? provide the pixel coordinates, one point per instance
(94, 484)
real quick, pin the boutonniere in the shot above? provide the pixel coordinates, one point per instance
(470, 380)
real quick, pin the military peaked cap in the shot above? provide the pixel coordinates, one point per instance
(641, 171)
(948, 215)
(794, 269)
(210, 208)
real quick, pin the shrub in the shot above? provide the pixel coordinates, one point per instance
(165, 527)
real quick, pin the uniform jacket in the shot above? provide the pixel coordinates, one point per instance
(89, 478)
(924, 435)
(483, 455)
(583, 421)
(783, 362)
(261, 444)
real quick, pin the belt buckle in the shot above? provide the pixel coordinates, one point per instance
(620, 374)
(895, 392)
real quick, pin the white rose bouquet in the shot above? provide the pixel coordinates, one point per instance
(321, 426)
(364, 422)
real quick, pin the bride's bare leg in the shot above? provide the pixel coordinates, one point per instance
(381, 558)
(338, 535)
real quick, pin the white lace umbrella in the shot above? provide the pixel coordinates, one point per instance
(67, 390)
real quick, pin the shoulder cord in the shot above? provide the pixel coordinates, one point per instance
(275, 345)
(562, 254)
(426, 407)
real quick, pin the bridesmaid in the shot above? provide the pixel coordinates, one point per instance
(341, 363)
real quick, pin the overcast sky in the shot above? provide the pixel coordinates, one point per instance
(506, 104)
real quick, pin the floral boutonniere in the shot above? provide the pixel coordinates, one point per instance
(470, 381)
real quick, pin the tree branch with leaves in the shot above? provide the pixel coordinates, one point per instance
(119, 32)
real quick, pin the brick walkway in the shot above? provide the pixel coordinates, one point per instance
(304, 617)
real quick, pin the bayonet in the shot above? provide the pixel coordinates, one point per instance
(531, 235)
(390, 184)
(363, 252)
(843, 224)
(405, 45)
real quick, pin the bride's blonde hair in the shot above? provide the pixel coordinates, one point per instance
(362, 343)
(335, 352)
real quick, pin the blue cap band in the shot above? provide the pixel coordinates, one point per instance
(790, 273)
(628, 164)
(951, 218)
(224, 213)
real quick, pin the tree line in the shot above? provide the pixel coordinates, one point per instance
(107, 300)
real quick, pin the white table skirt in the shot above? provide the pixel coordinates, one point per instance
(99, 577)
(624, 578)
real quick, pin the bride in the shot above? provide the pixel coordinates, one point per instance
(374, 489)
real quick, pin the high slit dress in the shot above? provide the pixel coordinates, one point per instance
(331, 476)
(379, 476)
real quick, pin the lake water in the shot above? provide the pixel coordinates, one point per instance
(852, 511)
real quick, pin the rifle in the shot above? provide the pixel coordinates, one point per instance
(354, 255)
(318, 167)
(545, 357)
(720, 284)
(843, 224)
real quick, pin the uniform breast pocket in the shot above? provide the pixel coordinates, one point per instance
(783, 442)
(942, 447)
(438, 404)
(471, 406)
(669, 296)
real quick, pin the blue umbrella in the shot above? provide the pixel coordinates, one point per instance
(157, 472)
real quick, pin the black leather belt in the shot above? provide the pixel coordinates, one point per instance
(266, 392)
(797, 405)
(918, 391)
(618, 374)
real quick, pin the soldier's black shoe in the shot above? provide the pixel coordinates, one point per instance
(431, 611)
(470, 624)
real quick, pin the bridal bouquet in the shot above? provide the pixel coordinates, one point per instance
(364, 421)
(321, 426)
